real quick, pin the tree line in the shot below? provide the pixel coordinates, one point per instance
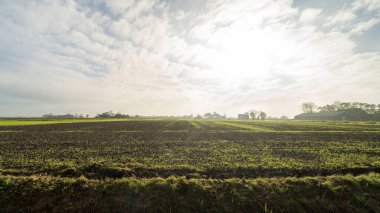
(256, 115)
(110, 114)
(337, 106)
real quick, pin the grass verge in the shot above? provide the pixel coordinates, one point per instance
(345, 193)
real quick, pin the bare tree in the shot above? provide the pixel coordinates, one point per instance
(253, 115)
(337, 106)
(309, 107)
(263, 115)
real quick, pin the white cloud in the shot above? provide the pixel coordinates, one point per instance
(143, 57)
(310, 14)
(365, 25)
(351, 17)
(369, 5)
(180, 15)
(342, 18)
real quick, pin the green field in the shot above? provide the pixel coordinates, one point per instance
(139, 165)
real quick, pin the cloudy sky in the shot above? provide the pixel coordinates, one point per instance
(174, 57)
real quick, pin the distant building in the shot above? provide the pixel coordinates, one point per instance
(346, 115)
(243, 116)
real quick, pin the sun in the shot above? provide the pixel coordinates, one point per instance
(248, 53)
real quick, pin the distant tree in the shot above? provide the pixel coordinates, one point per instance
(355, 105)
(87, 115)
(51, 115)
(342, 106)
(309, 107)
(215, 115)
(328, 108)
(284, 117)
(108, 114)
(253, 115)
(345, 106)
(263, 115)
(118, 115)
(207, 115)
(48, 115)
(336, 105)
(371, 108)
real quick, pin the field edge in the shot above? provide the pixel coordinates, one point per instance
(342, 193)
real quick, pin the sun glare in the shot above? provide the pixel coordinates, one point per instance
(248, 53)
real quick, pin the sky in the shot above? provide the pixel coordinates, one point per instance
(176, 57)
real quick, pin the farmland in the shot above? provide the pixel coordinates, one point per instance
(167, 164)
